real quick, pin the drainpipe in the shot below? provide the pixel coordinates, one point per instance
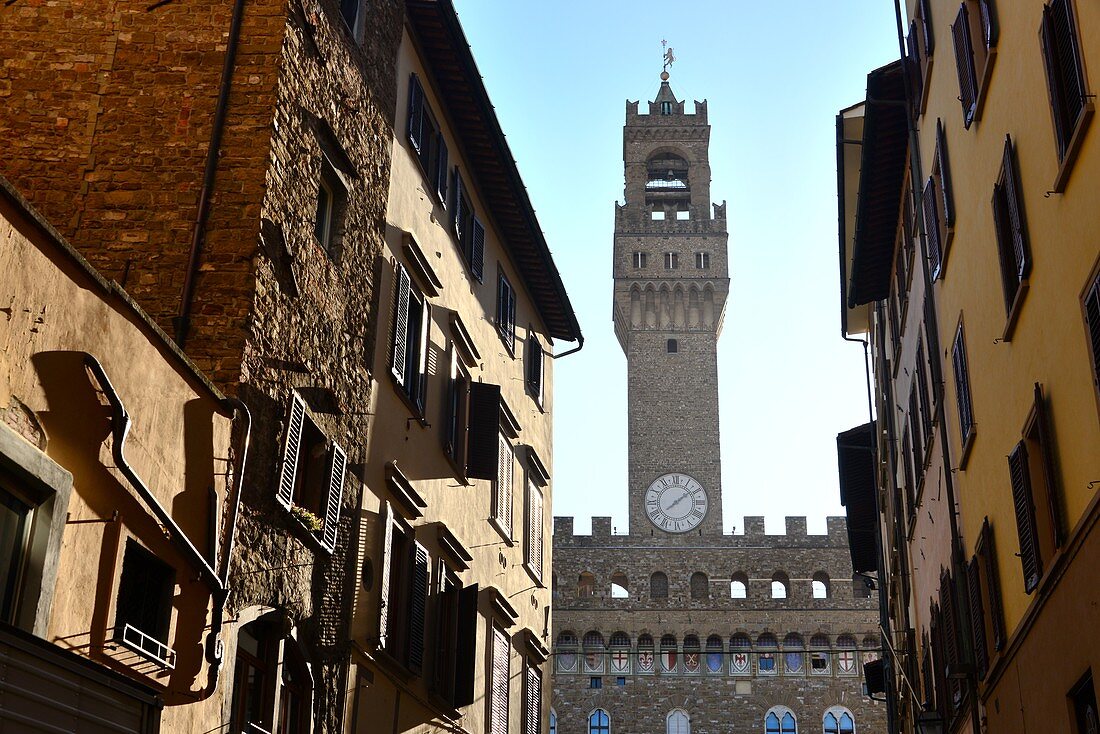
(574, 350)
(183, 317)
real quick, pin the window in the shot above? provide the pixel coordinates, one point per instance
(586, 585)
(533, 539)
(672, 260)
(553, 722)
(143, 609)
(692, 651)
(657, 216)
(311, 478)
(566, 652)
(962, 391)
(946, 640)
(666, 108)
(639, 259)
(645, 654)
(672, 346)
(1034, 493)
(1069, 99)
(780, 720)
(677, 722)
(1092, 326)
(920, 44)
(739, 586)
(838, 720)
(916, 435)
(658, 586)
(924, 403)
(1012, 244)
(411, 322)
(794, 660)
(819, 586)
(714, 654)
(699, 586)
(468, 229)
(506, 312)
(595, 682)
(819, 655)
(620, 653)
(594, 652)
(702, 261)
(534, 363)
(620, 681)
(683, 215)
(740, 647)
(404, 591)
(426, 137)
(502, 488)
(532, 699)
(15, 526)
(991, 583)
(295, 689)
(1083, 700)
(499, 682)
(668, 653)
(974, 33)
(332, 198)
(780, 584)
(846, 658)
(599, 722)
(456, 634)
(619, 586)
(938, 205)
(253, 677)
(765, 656)
(458, 413)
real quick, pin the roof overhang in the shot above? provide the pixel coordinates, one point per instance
(849, 147)
(856, 460)
(448, 59)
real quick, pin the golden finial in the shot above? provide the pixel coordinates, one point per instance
(668, 59)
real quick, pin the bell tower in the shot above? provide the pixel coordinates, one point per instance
(671, 280)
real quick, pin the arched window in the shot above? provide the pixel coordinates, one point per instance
(593, 640)
(586, 585)
(846, 657)
(839, 720)
(871, 646)
(765, 657)
(820, 585)
(691, 654)
(620, 588)
(819, 655)
(780, 720)
(677, 722)
(714, 654)
(645, 654)
(780, 585)
(668, 653)
(740, 648)
(599, 722)
(699, 585)
(553, 722)
(739, 586)
(658, 586)
(793, 659)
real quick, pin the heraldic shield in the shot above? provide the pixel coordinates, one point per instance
(739, 663)
(620, 660)
(645, 661)
(714, 662)
(691, 662)
(668, 660)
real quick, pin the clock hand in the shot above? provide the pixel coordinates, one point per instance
(677, 501)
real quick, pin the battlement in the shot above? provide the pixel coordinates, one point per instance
(654, 117)
(639, 218)
(794, 528)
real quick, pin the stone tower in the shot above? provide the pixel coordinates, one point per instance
(671, 281)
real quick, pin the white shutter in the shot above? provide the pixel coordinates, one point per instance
(418, 604)
(534, 528)
(289, 470)
(402, 288)
(335, 496)
(386, 518)
(532, 700)
(498, 693)
(502, 509)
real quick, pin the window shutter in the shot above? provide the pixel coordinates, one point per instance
(913, 58)
(1015, 213)
(418, 604)
(916, 436)
(926, 26)
(477, 249)
(989, 22)
(993, 586)
(534, 528)
(484, 434)
(466, 649)
(1025, 516)
(532, 720)
(441, 169)
(949, 615)
(931, 227)
(962, 384)
(421, 396)
(1046, 441)
(401, 290)
(458, 215)
(416, 113)
(1065, 80)
(945, 176)
(1092, 321)
(977, 616)
(503, 494)
(534, 367)
(499, 691)
(289, 472)
(922, 393)
(386, 517)
(964, 62)
(335, 496)
(512, 317)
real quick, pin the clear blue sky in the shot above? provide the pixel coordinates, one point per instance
(775, 75)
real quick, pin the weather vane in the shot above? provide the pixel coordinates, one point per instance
(668, 58)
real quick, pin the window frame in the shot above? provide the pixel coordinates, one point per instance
(1068, 134)
(154, 602)
(534, 367)
(1090, 318)
(498, 679)
(535, 535)
(638, 259)
(410, 346)
(672, 260)
(964, 400)
(505, 319)
(502, 503)
(1010, 227)
(702, 260)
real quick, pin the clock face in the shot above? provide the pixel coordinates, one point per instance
(675, 503)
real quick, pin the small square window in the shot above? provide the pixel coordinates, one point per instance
(620, 681)
(639, 260)
(683, 215)
(672, 260)
(666, 108)
(331, 200)
(595, 682)
(702, 260)
(672, 346)
(657, 216)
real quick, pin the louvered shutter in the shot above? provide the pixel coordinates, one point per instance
(499, 690)
(993, 586)
(964, 62)
(477, 249)
(288, 473)
(421, 396)
(949, 616)
(1092, 322)
(483, 439)
(505, 472)
(917, 437)
(922, 393)
(534, 528)
(1015, 213)
(988, 15)
(1025, 516)
(402, 285)
(1046, 442)
(386, 518)
(928, 680)
(416, 113)
(962, 384)
(1065, 79)
(458, 214)
(926, 27)
(334, 496)
(913, 58)
(441, 168)
(466, 647)
(977, 617)
(945, 191)
(418, 605)
(532, 697)
(512, 318)
(931, 227)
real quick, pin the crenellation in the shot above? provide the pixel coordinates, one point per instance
(795, 526)
(563, 527)
(754, 527)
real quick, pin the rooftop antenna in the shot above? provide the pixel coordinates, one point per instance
(668, 59)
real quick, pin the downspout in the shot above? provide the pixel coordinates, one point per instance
(574, 350)
(183, 317)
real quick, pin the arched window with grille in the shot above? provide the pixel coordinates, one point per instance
(658, 586)
(714, 654)
(594, 652)
(645, 654)
(620, 587)
(838, 720)
(599, 722)
(819, 655)
(668, 653)
(692, 663)
(677, 722)
(740, 654)
(586, 585)
(846, 655)
(780, 720)
(794, 660)
(699, 585)
(566, 652)
(766, 646)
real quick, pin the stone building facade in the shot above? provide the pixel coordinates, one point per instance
(678, 626)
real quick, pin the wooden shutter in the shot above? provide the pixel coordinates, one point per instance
(1065, 78)
(916, 436)
(962, 384)
(1092, 322)
(949, 617)
(926, 27)
(944, 183)
(977, 616)
(466, 647)
(505, 472)
(498, 692)
(418, 604)
(477, 249)
(289, 471)
(913, 65)
(931, 227)
(1023, 503)
(922, 394)
(928, 679)
(1046, 442)
(335, 496)
(1015, 213)
(386, 518)
(416, 113)
(535, 522)
(534, 367)
(993, 586)
(483, 439)
(458, 213)
(964, 62)
(441, 168)
(532, 698)
(988, 14)
(421, 396)
(402, 285)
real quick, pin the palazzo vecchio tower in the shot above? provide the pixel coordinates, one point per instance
(680, 627)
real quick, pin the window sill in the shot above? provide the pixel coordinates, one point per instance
(967, 444)
(504, 340)
(1074, 147)
(507, 536)
(460, 472)
(983, 84)
(307, 533)
(1014, 311)
(535, 576)
(417, 414)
